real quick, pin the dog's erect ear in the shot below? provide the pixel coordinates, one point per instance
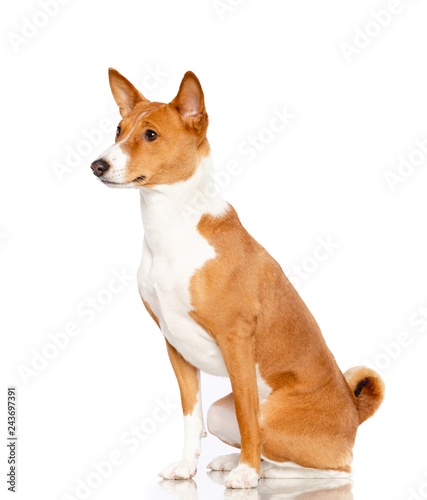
(190, 102)
(124, 93)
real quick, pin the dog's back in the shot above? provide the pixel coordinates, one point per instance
(225, 306)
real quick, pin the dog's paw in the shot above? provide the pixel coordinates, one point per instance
(185, 469)
(271, 471)
(294, 471)
(243, 476)
(224, 462)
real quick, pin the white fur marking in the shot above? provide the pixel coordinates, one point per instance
(264, 390)
(290, 470)
(173, 251)
(243, 476)
(184, 469)
(118, 161)
(194, 430)
(222, 422)
(225, 462)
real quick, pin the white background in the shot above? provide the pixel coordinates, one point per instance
(63, 236)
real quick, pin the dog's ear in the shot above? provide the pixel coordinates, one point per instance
(124, 93)
(190, 102)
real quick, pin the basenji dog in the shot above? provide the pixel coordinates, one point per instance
(225, 307)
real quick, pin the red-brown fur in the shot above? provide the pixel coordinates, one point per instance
(175, 157)
(245, 302)
(312, 415)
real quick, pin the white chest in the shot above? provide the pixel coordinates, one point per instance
(173, 251)
(164, 282)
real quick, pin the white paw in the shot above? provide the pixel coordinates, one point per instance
(242, 476)
(293, 471)
(225, 462)
(185, 469)
(271, 471)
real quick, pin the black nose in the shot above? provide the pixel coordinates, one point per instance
(99, 167)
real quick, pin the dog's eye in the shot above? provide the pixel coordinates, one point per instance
(118, 131)
(150, 135)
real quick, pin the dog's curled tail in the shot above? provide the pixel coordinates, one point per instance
(367, 388)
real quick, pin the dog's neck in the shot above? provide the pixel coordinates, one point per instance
(169, 211)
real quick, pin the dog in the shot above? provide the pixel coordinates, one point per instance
(225, 307)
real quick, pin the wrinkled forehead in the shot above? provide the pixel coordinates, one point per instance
(144, 111)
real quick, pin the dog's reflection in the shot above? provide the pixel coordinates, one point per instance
(268, 489)
(184, 489)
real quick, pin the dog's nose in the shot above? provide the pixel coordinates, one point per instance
(99, 167)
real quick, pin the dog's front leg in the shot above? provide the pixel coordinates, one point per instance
(238, 350)
(189, 385)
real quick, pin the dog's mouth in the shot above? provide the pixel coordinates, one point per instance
(140, 178)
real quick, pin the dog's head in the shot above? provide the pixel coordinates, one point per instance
(156, 143)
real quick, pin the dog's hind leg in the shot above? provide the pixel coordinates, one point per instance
(222, 423)
(290, 470)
